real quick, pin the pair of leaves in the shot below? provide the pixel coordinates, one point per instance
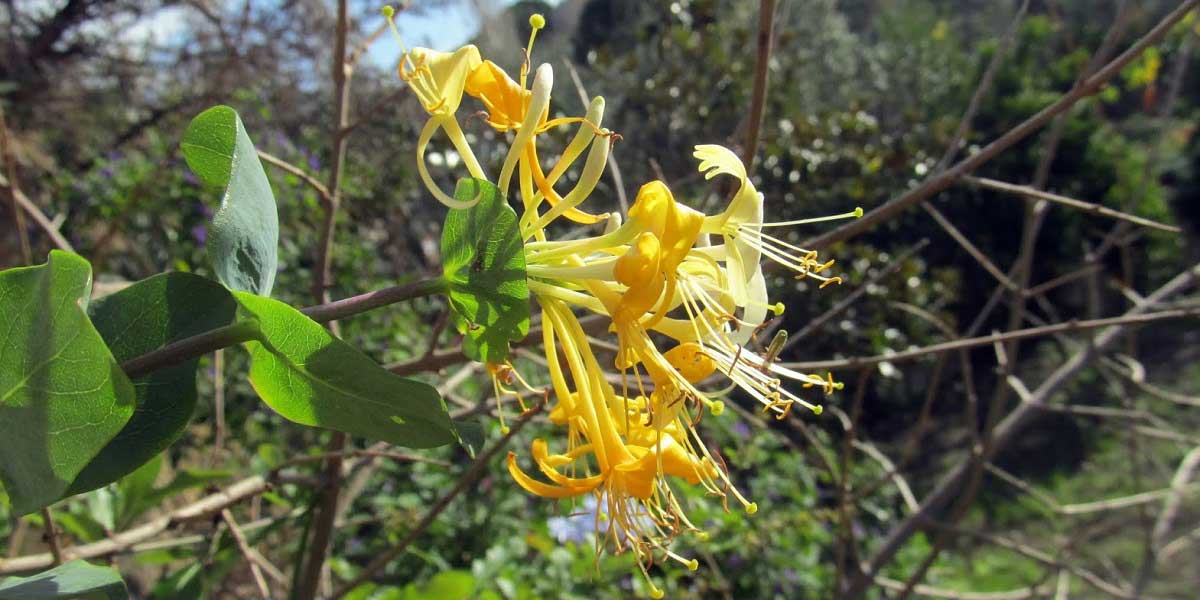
(75, 422)
(483, 260)
(72, 421)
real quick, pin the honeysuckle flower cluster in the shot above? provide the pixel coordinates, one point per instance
(684, 292)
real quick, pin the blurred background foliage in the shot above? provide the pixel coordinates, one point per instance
(864, 98)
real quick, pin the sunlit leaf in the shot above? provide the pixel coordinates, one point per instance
(484, 262)
(307, 375)
(244, 235)
(62, 394)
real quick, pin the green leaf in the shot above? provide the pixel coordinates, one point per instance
(184, 584)
(447, 585)
(62, 394)
(244, 236)
(310, 377)
(134, 321)
(484, 262)
(74, 579)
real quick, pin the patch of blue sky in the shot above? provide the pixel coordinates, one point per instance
(443, 26)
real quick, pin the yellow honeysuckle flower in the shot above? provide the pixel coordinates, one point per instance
(506, 101)
(439, 79)
(630, 435)
(633, 450)
(742, 223)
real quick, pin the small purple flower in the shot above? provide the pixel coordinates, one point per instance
(190, 177)
(579, 526)
(106, 172)
(200, 234)
(741, 429)
(314, 163)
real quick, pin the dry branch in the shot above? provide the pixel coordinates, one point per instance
(940, 182)
(1008, 429)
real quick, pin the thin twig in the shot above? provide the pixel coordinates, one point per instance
(39, 218)
(248, 553)
(51, 536)
(327, 508)
(613, 168)
(915, 353)
(12, 187)
(123, 541)
(967, 245)
(1096, 209)
(218, 367)
(236, 333)
(304, 176)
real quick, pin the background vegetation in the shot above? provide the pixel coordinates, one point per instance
(865, 98)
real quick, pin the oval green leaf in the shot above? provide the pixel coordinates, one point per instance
(244, 236)
(62, 394)
(310, 377)
(140, 319)
(483, 259)
(74, 579)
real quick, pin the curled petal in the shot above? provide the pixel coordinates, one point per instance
(539, 488)
(422, 145)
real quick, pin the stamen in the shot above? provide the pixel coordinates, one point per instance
(854, 214)
(536, 23)
(389, 13)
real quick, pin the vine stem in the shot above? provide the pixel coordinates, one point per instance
(310, 578)
(236, 333)
(762, 67)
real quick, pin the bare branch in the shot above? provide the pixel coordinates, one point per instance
(762, 69)
(1014, 423)
(288, 167)
(121, 542)
(1070, 326)
(1096, 209)
(39, 218)
(613, 168)
(248, 553)
(944, 180)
